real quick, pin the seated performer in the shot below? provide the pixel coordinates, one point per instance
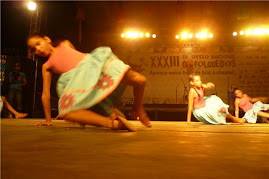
(252, 111)
(209, 110)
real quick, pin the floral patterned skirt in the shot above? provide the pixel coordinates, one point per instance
(94, 84)
(214, 111)
(251, 115)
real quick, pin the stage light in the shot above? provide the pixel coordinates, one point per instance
(129, 34)
(32, 6)
(122, 35)
(210, 36)
(255, 32)
(261, 31)
(147, 35)
(190, 36)
(184, 35)
(141, 35)
(248, 32)
(267, 31)
(197, 35)
(234, 33)
(177, 36)
(135, 35)
(203, 35)
(154, 36)
(242, 32)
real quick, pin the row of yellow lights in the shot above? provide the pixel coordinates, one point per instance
(252, 32)
(201, 35)
(135, 34)
(184, 35)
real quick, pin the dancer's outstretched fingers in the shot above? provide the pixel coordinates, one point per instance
(44, 124)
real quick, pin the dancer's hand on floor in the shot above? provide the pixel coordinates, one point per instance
(44, 124)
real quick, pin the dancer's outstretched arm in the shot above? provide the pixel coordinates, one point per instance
(208, 85)
(236, 105)
(254, 100)
(46, 74)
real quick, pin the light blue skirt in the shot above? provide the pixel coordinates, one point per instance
(251, 115)
(95, 78)
(214, 111)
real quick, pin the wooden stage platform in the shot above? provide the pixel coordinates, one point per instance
(167, 150)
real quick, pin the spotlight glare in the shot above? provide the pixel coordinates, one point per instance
(32, 6)
(242, 32)
(135, 35)
(203, 35)
(197, 35)
(256, 32)
(184, 35)
(248, 32)
(261, 31)
(122, 35)
(177, 36)
(141, 35)
(190, 36)
(129, 34)
(154, 36)
(210, 36)
(234, 33)
(147, 35)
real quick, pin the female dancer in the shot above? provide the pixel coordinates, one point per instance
(210, 110)
(89, 84)
(252, 111)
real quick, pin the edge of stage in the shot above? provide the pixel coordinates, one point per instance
(168, 150)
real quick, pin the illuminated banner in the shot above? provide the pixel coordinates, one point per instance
(167, 71)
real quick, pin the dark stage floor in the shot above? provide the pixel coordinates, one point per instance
(168, 150)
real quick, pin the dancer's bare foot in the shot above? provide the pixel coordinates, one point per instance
(239, 120)
(118, 122)
(20, 115)
(141, 116)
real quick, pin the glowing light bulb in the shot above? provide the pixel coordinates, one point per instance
(248, 32)
(184, 35)
(32, 6)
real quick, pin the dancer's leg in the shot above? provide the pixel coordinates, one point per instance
(11, 95)
(138, 81)
(263, 114)
(235, 119)
(90, 118)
